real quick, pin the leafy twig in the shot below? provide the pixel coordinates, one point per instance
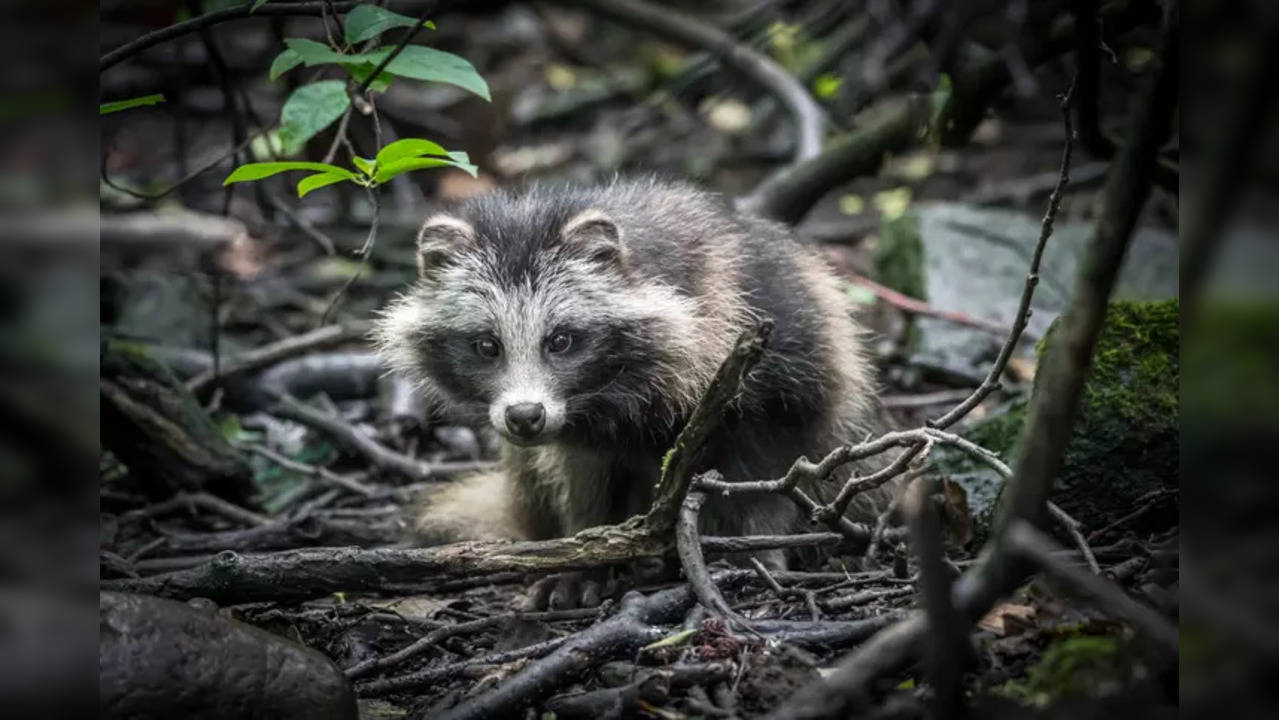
(408, 35)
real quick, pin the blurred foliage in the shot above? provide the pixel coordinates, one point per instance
(1074, 668)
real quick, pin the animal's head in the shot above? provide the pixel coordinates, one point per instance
(528, 313)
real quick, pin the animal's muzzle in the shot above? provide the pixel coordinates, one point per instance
(525, 420)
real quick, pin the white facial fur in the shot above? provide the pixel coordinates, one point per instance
(465, 296)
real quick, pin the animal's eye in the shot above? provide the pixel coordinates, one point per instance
(559, 342)
(487, 347)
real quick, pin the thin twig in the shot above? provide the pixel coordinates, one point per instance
(408, 35)
(324, 241)
(377, 453)
(204, 20)
(235, 150)
(992, 381)
(922, 400)
(1151, 500)
(365, 251)
(433, 637)
(1023, 538)
(1072, 527)
(348, 482)
(338, 136)
(204, 501)
(915, 306)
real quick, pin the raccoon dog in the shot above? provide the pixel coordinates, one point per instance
(583, 324)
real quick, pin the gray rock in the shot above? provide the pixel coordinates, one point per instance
(162, 659)
(974, 261)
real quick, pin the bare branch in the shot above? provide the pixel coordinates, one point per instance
(680, 463)
(377, 453)
(1024, 539)
(323, 474)
(1072, 527)
(789, 193)
(267, 355)
(195, 24)
(991, 383)
(364, 252)
(205, 501)
(688, 545)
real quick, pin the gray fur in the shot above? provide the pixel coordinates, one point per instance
(653, 282)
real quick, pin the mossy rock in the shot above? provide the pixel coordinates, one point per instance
(899, 264)
(1074, 668)
(899, 256)
(1126, 439)
(161, 433)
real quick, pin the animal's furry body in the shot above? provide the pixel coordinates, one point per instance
(650, 283)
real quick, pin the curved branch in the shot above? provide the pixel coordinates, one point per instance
(789, 193)
(689, 547)
(273, 353)
(200, 22)
(687, 30)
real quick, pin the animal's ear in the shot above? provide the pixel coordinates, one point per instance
(439, 241)
(595, 236)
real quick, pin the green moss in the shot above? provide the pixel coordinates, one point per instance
(1135, 374)
(1076, 667)
(666, 463)
(899, 256)
(899, 264)
(1126, 439)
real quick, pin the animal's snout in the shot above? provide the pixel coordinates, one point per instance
(525, 420)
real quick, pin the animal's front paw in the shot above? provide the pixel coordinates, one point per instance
(566, 591)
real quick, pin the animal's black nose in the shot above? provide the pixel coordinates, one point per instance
(525, 419)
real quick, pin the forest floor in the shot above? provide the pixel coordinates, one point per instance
(350, 478)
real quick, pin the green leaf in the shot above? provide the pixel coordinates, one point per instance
(368, 21)
(939, 99)
(424, 63)
(360, 71)
(670, 640)
(385, 173)
(409, 147)
(826, 86)
(284, 62)
(319, 180)
(257, 4)
(266, 146)
(118, 105)
(317, 53)
(257, 171)
(310, 109)
(365, 165)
